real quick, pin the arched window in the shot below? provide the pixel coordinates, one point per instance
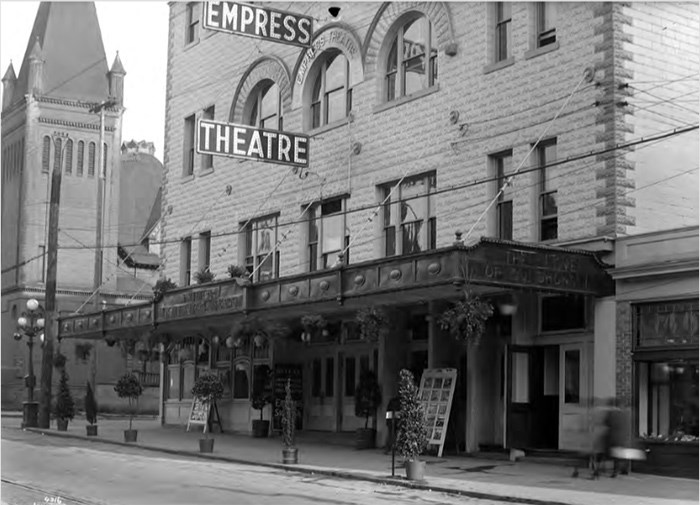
(91, 159)
(414, 67)
(57, 154)
(265, 109)
(69, 157)
(81, 159)
(46, 154)
(104, 159)
(331, 97)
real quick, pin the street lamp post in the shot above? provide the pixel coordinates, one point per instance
(30, 324)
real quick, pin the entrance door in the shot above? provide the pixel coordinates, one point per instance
(573, 397)
(519, 408)
(353, 362)
(322, 397)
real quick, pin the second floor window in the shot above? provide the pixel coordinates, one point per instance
(261, 256)
(204, 256)
(503, 164)
(192, 22)
(188, 161)
(412, 62)
(331, 96)
(266, 107)
(409, 222)
(548, 202)
(328, 234)
(503, 29)
(546, 31)
(208, 159)
(186, 261)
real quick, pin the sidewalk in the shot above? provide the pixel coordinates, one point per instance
(332, 455)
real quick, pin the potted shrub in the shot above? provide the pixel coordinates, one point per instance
(90, 412)
(287, 411)
(373, 323)
(239, 273)
(413, 434)
(203, 276)
(466, 320)
(261, 397)
(64, 407)
(161, 286)
(129, 387)
(209, 389)
(368, 397)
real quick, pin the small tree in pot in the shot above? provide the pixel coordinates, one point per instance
(90, 412)
(208, 388)
(286, 409)
(412, 438)
(64, 407)
(262, 396)
(129, 387)
(368, 397)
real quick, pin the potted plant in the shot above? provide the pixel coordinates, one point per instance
(90, 412)
(209, 389)
(203, 276)
(64, 407)
(239, 273)
(129, 387)
(368, 397)
(261, 397)
(413, 434)
(313, 324)
(287, 411)
(466, 320)
(373, 323)
(162, 285)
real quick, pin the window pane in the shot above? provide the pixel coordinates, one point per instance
(269, 108)
(505, 220)
(350, 376)
(412, 237)
(265, 270)
(572, 366)
(520, 380)
(332, 233)
(564, 312)
(336, 73)
(549, 204)
(390, 241)
(548, 229)
(336, 107)
(240, 380)
(264, 237)
(330, 378)
(316, 378)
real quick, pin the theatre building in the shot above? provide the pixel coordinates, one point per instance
(431, 148)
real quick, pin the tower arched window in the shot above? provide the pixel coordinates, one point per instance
(57, 154)
(91, 159)
(81, 159)
(104, 159)
(331, 96)
(46, 154)
(265, 109)
(412, 62)
(69, 156)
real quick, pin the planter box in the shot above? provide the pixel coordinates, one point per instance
(675, 459)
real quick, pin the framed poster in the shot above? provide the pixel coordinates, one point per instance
(437, 386)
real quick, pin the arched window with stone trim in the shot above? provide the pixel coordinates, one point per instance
(331, 96)
(46, 154)
(69, 157)
(57, 154)
(411, 62)
(91, 159)
(81, 159)
(264, 108)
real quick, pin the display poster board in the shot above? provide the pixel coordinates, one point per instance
(283, 372)
(199, 414)
(437, 386)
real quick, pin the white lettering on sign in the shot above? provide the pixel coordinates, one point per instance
(242, 141)
(254, 21)
(337, 37)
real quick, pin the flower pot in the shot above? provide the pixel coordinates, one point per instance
(290, 455)
(62, 424)
(91, 430)
(364, 438)
(260, 428)
(415, 470)
(130, 435)
(206, 445)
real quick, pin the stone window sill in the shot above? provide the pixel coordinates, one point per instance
(188, 45)
(532, 53)
(187, 178)
(492, 67)
(205, 171)
(408, 98)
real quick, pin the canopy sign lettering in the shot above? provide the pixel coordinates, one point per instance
(241, 141)
(258, 22)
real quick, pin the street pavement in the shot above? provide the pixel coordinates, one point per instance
(333, 455)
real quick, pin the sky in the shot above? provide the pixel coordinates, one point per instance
(138, 30)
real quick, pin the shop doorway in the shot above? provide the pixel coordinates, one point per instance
(532, 397)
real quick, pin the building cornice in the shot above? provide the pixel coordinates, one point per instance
(75, 124)
(655, 269)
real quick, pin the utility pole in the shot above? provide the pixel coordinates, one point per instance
(51, 325)
(99, 255)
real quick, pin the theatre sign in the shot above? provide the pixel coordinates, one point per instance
(242, 141)
(259, 22)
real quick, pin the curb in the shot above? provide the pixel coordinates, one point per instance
(343, 474)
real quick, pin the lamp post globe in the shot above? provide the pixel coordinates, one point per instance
(32, 304)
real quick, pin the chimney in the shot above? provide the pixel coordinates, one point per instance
(8, 86)
(35, 83)
(116, 80)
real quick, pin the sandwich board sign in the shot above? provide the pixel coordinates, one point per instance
(199, 414)
(437, 387)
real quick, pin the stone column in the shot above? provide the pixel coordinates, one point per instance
(392, 357)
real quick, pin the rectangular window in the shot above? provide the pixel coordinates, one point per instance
(409, 222)
(188, 161)
(548, 207)
(563, 312)
(204, 256)
(185, 261)
(503, 164)
(261, 256)
(572, 376)
(193, 9)
(546, 31)
(46, 154)
(328, 234)
(208, 159)
(69, 157)
(91, 159)
(503, 28)
(350, 376)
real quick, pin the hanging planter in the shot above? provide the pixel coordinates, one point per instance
(314, 325)
(373, 323)
(466, 320)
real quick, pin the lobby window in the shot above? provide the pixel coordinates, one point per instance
(186, 261)
(69, 157)
(503, 30)
(265, 107)
(409, 222)
(563, 312)
(204, 256)
(192, 14)
(328, 234)
(414, 66)
(91, 159)
(46, 154)
(331, 98)
(548, 210)
(80, 160)
(208, 159)
(545, 13)
(503, 164)
(188, 156)
(260, 237)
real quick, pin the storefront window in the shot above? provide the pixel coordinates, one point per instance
(668, 400)
(240, 380)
